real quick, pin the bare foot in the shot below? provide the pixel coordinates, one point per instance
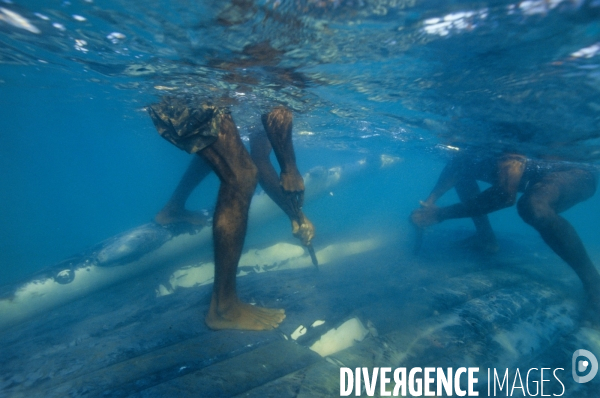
(173, 216)
(244, 317)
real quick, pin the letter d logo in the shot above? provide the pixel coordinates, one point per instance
(582, 365)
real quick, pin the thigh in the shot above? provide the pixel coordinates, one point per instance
(561, 190)
(227, 156)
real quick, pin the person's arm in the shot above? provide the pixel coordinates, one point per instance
(502, 194)
(445, 182)
(260, 149)
(287, 190)
(499, 196)
(278, 125)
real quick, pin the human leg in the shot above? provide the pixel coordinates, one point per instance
(238, 175)
(174, 210)
(540, 206)
(484, 238)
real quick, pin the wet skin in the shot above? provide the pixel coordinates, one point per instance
(456, 175)
(239, 174)
(543, 200)
(288, 190)
(174, 211)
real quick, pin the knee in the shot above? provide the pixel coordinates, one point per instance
(246, 179)
(534, 212)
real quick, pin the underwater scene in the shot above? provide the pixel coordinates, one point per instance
(299, 198)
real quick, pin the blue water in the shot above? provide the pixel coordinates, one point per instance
(82, 162)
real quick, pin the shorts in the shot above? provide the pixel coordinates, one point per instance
(190, 127)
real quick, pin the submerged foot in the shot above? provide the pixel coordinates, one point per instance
(243, 316)
(173, 216)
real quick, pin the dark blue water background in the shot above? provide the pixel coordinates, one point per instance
(81, 160)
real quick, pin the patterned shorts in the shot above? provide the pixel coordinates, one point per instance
(188, 126)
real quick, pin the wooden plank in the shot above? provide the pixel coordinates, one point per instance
(125, 340)
(238, 374)
(159, 366)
